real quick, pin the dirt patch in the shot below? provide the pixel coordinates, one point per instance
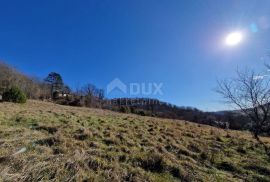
(81, 136)
(49, 129)
(3, 159)
(194, 148)
(48, 141)
(109, 142)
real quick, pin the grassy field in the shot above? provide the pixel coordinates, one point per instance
(41, 141)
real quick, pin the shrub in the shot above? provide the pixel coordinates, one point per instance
(142, 113)
(124, 109)
(14, 94)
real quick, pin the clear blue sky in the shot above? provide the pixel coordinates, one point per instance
(178, 43)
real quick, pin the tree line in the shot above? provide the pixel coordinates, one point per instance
(51, 88)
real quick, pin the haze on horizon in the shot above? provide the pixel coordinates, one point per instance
(185, 45)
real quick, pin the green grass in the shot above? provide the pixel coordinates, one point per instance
(75, 144)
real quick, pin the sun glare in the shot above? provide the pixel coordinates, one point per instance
(234, 38)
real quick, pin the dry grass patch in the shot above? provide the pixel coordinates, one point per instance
(43, 141)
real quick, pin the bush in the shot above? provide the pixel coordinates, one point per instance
(14, 94)
(124, 109)
(142, 113)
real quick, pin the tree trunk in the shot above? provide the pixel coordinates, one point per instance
(266, 149)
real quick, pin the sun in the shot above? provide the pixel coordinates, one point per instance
(234, 38)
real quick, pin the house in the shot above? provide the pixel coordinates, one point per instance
(59, 95)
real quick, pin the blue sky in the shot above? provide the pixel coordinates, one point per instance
(177, 43)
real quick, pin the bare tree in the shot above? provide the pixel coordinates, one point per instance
(9, 77)
(93, 97)
(6, 76)
(250, 93)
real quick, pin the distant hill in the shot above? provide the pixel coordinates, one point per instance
(156, 108)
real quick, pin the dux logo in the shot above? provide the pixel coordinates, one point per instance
(135, 88)
(116, 84)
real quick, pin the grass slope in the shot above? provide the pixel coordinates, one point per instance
(48, 142)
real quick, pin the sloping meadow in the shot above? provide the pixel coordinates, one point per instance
(49, 142)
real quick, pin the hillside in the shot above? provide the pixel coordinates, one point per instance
(49, 142)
